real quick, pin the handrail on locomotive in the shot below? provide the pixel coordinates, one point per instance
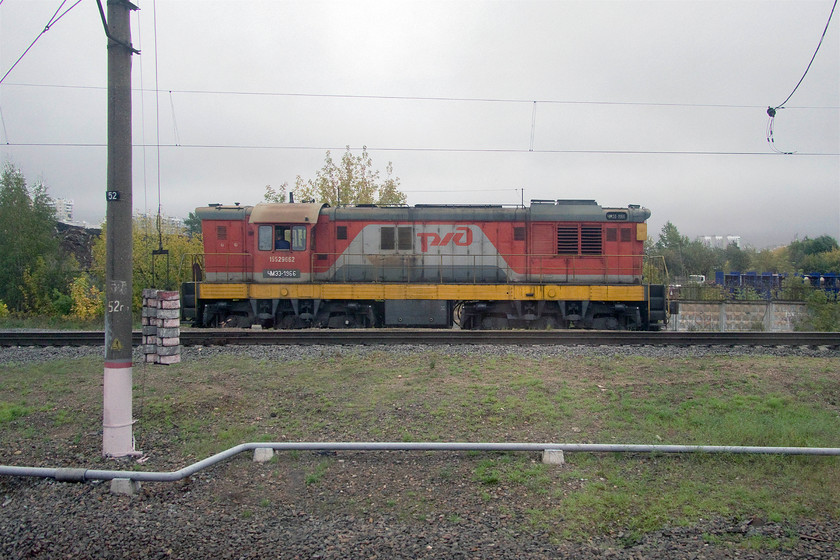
(650, 268)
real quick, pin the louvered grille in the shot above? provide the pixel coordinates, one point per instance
(567, 240)
(591, 240)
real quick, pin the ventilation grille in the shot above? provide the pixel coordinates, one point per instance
(591, 241)
(580, 240)
(567, 240)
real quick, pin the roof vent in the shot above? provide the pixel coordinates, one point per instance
(562, 202)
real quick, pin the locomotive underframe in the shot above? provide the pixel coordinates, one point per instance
(290, 313)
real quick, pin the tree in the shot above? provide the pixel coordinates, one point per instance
(770, 260)
(192, 224)
(800, 251)
(828, 261)
(670, 246)
(352, 181)
(149, 270)
(34, 274)
(279, 195)
(736, 259)
(698, 258)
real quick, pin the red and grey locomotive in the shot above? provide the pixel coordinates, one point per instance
(555, 264)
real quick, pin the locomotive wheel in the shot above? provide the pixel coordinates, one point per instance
(209, 317)
(286, 322)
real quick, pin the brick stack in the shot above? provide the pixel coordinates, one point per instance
(161, 326)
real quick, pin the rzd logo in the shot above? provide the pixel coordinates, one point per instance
(462, 236)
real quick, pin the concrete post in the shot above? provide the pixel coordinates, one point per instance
(117, 421)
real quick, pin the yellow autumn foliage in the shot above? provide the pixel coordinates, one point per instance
(88, 302)
(153, 271)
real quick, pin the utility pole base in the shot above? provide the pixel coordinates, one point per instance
(117, 421)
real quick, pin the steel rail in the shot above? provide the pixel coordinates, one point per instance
(81, 475)
(207, 337)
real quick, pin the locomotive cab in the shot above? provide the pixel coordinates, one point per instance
(282, 240)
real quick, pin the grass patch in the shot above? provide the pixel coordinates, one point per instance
(12, 411)
(200, 407)
(317, 475)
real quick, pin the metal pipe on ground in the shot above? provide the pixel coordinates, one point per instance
(81, 475)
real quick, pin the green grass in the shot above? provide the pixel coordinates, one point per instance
(12, 411)
(318, 474)
(50, 322)
(208, 405)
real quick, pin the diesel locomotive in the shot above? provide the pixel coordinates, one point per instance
(553, 264)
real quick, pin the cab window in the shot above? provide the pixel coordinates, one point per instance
(265, 240)
(282, 238)
(298, 238)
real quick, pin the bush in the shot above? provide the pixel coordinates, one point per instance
(795, 288)
(823, 312)
(87, 299)
(62, 304)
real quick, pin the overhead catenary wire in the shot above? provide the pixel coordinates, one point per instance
(157, 130)
(53, 20)
(430, 149)
(771, 111)
(422, 98)
(174, 120)
(819, 44)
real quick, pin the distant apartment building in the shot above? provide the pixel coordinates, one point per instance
(63, 209)
(167, 224)
(720, 241)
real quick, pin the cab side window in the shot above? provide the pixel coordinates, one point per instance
(265, 239)
(281, 238)
(298, 238)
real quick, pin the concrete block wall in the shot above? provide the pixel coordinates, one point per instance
(772, 316)
(161, 322)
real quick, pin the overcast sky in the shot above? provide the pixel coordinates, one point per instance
(661, 104)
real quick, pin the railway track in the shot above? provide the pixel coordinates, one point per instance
(206, 337)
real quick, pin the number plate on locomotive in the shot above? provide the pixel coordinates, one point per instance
(286, 273)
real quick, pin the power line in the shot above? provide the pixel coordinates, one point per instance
(420, 150)
(781, 105)
(53, 21)
(771, 111)
(422, 98)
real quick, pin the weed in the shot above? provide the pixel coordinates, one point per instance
(12, 411)
(446, 473)
(486, 473)
(318, 474)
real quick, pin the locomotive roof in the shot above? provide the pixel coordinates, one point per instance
(540, 210)
(548, 211)
(222, 212)
(292, 213)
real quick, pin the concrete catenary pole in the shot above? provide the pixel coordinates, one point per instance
(117, 421)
